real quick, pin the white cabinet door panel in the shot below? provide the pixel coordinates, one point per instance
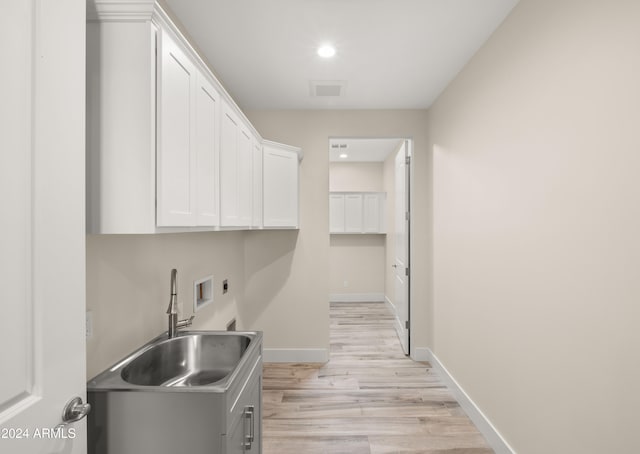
(206, 152)
(176, 166)
(371, 213)
(245, 177)
(336, 213)
(236, 178)
(257, 184)
(280, 186)
(228, 170)
(353, 213)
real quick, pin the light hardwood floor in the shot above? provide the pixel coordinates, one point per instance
(369, 398)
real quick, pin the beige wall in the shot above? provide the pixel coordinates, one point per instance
(355, 176)
(536, 221)
(128, 287)
(356, 264)
(298, 316)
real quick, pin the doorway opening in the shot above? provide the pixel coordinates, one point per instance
(369, 225)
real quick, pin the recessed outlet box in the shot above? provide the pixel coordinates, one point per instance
(225, 286)
(202, 292)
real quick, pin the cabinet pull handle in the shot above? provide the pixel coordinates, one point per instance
(249, 412)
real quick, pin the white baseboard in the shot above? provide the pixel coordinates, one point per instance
(295, 355)
(495, 440)
(356, 297)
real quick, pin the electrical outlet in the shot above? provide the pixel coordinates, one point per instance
(225, 286)
(346, 284)
(89, 325)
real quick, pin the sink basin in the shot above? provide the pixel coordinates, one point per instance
(188, 360)
(193, 361)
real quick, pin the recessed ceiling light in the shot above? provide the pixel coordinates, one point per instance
(344, 156)
(326, 51)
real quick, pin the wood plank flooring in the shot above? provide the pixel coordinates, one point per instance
(369, 398)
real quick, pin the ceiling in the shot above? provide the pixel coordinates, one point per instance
(362, 150)
(391, 54)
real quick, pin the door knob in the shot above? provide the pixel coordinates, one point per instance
(74, 411)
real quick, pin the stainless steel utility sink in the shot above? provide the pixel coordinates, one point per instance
(199, 392)
(188, 360)
(193, 360)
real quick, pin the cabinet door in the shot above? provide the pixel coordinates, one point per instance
(280, 187)
(336, 213)
(206, 151)
(229, 214)
(245, 417)
(371, 213)
(353, 213)
(255, 429)
(245, 177)
(257, 184)
(236, 188)
(175, 164)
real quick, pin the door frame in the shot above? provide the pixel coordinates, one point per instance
(409, 194)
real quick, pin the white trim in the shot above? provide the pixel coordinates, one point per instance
(295, 355)
(495, 440)
(421, 354)
(389, 304)
(121, 11)
(356, 297)
(284, 146)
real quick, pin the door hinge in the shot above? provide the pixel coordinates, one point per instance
(406, 271)
(407, 216)
(406, 324)
(407, 160)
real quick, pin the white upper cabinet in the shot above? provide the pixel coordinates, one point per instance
(356, 212)
(280, 185)
(236, 155)
(176, 163)
(188, 137)
(121, 126)
(168, 150)
(207, 140)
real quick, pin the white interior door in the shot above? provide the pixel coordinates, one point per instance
(401, 263)
(42, 233)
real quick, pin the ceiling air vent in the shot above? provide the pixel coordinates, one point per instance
(327, 88)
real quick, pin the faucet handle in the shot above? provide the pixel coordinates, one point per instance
(186, 322)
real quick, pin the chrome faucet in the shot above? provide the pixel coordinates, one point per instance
(174, 324)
